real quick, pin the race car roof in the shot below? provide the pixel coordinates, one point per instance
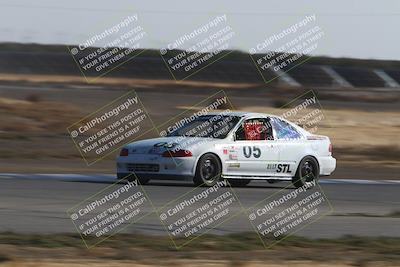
(241, 114)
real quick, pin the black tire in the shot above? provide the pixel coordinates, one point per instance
(208, 170)
(239, 182)
(307, 171)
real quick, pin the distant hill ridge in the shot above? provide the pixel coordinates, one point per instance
(236, 67)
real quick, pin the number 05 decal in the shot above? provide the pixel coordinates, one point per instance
(249, 151)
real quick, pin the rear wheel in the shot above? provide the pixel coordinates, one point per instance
(307, 171)
(239, 182)
(208, 170)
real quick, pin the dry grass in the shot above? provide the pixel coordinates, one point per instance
(357, 135)
(33, 115)
(112, 81)
(231, 250)
(189, 263)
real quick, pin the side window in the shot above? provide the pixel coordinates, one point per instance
(284, 130)
(255, 129)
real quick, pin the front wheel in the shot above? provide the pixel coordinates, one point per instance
(208, 170)
(307, 171)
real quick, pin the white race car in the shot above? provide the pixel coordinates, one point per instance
(237, 146)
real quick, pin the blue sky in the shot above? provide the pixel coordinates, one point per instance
(359, 29)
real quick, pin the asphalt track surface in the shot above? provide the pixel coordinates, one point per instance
(38, 204)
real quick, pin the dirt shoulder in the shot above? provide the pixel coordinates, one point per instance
(230, 250)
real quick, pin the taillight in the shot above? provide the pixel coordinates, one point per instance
(330, 148)
(124, 152)
(177, 154)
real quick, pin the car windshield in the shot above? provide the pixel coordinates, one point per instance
(208, 126)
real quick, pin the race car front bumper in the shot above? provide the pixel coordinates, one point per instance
(156, 167)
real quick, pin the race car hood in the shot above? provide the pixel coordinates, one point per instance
(162, 144)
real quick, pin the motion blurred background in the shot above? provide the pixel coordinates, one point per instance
(354, 73)
(42, 93)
